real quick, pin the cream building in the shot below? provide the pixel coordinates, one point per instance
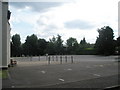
(4, 36)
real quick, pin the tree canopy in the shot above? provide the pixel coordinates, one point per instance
(104, 45)
(16, 45)
(72, 45)
(105, 41)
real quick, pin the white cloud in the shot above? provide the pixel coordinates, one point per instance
(98, 13)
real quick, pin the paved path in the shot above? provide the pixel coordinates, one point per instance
(90, 73)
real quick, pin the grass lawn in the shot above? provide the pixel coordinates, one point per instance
(3, 74)
(89, 48)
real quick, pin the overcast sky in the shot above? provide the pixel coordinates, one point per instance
(78, 18)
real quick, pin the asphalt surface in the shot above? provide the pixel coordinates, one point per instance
(85, 72)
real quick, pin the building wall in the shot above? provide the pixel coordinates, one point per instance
(0, 34)
(8, 43)
(4, 35)
(0, 41)
(119, 18)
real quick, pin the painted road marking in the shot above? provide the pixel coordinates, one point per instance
(97, 75)
(69, 69)
(101, 65)
(95, 65)
(112, 86)
(61, 79)
(13, 86)
(98, 65)
(43, 72)
(88, 67)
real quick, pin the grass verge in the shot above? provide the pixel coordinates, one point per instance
(3, 74)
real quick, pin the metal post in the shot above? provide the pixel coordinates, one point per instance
(56, 58)
(48, 59)
(66, 59)
(53, 57)
(60, 59)
(30, 58)
(71, 59)
(39, 57)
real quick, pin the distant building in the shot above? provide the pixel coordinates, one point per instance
(4, 35)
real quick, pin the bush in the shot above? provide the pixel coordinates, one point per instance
(87, 51)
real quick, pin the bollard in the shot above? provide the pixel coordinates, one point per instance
(66, 59)
(53, 58)
(30, 58)
(46, 56)
(39, 58)
(48, 59)
(71, 59)
(60, 59)
(56, 58)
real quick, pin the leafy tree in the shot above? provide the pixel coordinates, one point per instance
(30, 46)
(105, 43)
(50, 49)
(83, 42)
(16, 45)
(59, 45)
(72, 45)
(42, 43)
(118, 41)
(55, 45)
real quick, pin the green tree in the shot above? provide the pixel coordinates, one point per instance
(16, 45)
(51, 45)
(105, 43)
(118, 41)
(30, 46)
(83, 42)
(72, 45)
(55, 45)
(42, 43)
(59, 45)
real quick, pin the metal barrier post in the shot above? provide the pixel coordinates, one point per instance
(60, 59)
(48, 59)
(66, 59)
(56, 58)
(53, 57)
(30, 58)
(71, 59)
(39, 57)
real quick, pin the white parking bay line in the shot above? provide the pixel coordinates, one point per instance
(13, 86)
(95, 65)
(101, 65)
(88, 67)
(61, 79)
(112, 86)
(43, 72)
(69, 69)
(97, 75)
